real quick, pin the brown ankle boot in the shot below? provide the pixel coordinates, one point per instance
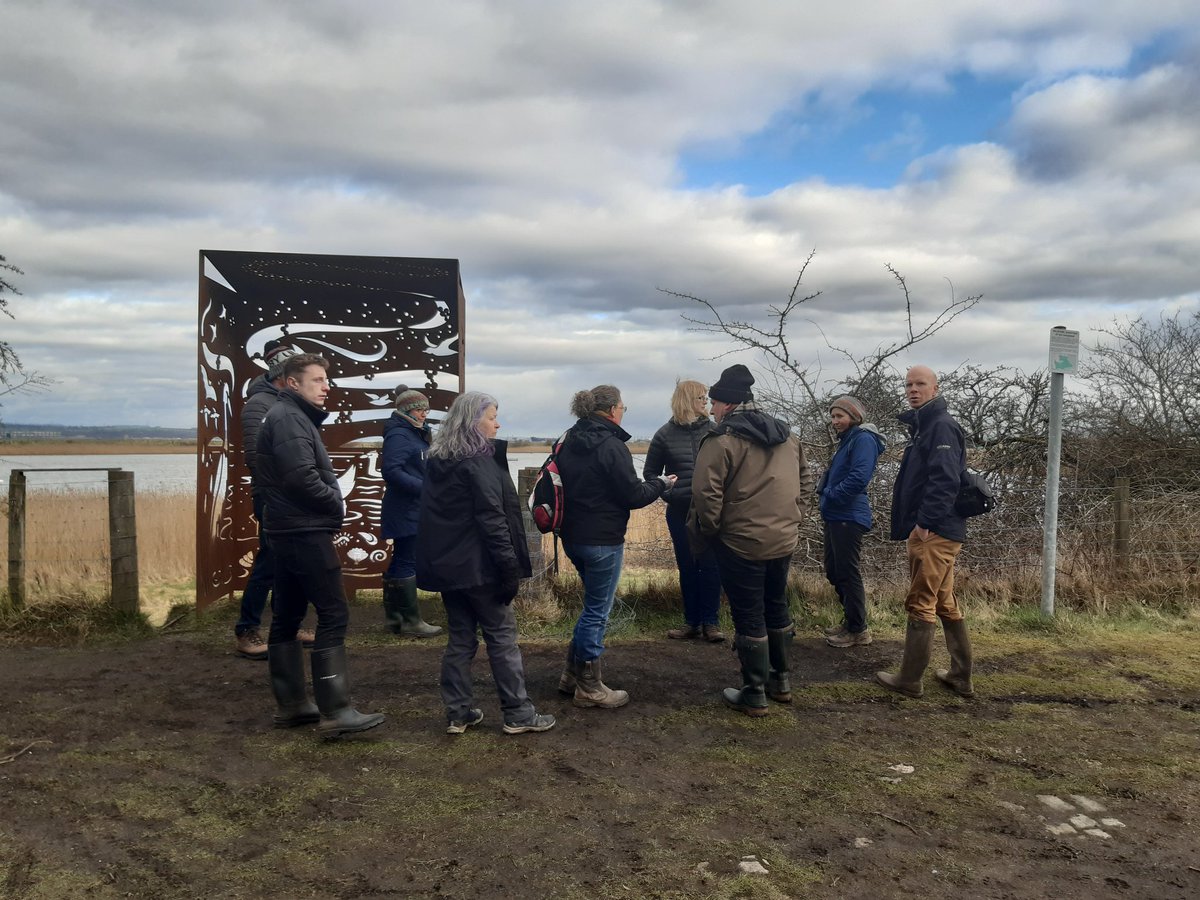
(590, 689)
(958, 676)
(918, 646)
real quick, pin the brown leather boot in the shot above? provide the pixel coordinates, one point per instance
(918, 646)
(958, 676)
(713, 634)
(570, 675)
(590, 689)
(686, 633)
(251, 645)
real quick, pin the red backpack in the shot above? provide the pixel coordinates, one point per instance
(546, 499)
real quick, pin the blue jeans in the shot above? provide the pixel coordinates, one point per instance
(699, 576)
(258, 585)
(599, 568)
(404, 558)
(757, 592)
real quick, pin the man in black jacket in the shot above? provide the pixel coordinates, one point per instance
(923, 514)
(260, 397)
(303, 510)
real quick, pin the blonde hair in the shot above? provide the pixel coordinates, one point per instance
(683, 401)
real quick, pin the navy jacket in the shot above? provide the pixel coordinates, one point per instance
(673, 451)
(404, 449)
(600, 485)
(843, 487)
(299, 488)
(470, 531)
(930, 474)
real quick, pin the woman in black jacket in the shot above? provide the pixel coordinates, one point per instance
(471, 548)
(600, 487)
(673, 450)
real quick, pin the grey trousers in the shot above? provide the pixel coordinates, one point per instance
(467, 611)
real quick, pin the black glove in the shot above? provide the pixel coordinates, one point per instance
(510, 583)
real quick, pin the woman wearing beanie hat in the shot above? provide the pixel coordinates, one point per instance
(406, 439)
(673, 450)
(846, 513)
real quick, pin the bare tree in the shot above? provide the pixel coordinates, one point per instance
(13, 375)
(795, 387)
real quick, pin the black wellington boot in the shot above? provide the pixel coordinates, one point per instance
(331, 687)
(779, 687)
(754, 656)
(286, 663)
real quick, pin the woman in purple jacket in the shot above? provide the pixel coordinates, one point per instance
(847, 515)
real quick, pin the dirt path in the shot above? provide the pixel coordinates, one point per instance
(157, 774)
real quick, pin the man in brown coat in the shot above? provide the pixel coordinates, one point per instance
(751, 489)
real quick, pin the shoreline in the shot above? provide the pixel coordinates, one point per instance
(120, 448)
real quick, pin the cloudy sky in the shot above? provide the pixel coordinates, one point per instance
(578, 156)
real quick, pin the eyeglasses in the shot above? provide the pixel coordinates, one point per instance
(622, 407)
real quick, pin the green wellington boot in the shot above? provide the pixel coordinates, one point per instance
(779, 687)
(958, 676)
(918, 645)
(403, 612)
(755, 658)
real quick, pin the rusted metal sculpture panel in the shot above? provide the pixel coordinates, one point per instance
(380, 321)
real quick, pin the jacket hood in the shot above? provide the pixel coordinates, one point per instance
(869, 429)
(756, 427)
(588, 434)
(261, 385)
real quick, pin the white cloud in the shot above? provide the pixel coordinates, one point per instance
(540, 144)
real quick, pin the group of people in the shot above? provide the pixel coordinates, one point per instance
(737, 486)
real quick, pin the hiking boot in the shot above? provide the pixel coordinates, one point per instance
(251, 645)
(686, 633)
(958, 676)
(537, 723)
(307, 637)
(458, 726)
(713, 634)
(779, 686)
(918, 646)
(590, 689)
(402, 610)
(850, 638)
(834, 629)
(754, 656)
(570, 675)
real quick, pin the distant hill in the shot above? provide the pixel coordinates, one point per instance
(14, 431)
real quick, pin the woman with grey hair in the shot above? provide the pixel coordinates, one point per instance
(600, 487)
(471, 549)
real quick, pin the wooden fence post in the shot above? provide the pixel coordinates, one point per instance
(1122, 525)
(16, 540)
(533, 538)
(122, 541)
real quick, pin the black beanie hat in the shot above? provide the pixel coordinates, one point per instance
(733, 386)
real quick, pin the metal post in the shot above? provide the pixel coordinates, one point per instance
(122, 541)
(1121, 524)
(1050, 523)
(16, 540)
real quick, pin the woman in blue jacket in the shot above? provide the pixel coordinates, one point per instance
(847, 515)
(405, 444)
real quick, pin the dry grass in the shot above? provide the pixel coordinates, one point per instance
(66, 545)
(98, 448)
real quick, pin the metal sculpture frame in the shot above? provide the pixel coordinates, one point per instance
(380, 321)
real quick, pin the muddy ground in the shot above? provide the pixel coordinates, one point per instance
(154, 772)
